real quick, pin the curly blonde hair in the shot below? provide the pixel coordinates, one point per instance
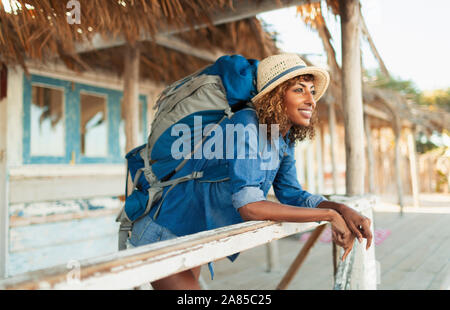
(271, 110)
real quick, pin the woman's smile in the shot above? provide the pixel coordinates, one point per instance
(305, 112)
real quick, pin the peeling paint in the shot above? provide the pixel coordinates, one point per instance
(134, 264)
(117, 268)
(204, 247)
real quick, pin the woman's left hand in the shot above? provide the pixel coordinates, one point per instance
(358, 224)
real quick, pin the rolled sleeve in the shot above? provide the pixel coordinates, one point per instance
(314, 200)
(247, 195)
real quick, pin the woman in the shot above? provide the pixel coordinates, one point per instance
(236, 187)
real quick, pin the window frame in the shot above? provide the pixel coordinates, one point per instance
(72, 121)
(63, 116)
(87, 158)
(28, 157)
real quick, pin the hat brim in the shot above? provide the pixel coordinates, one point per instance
(321, 81)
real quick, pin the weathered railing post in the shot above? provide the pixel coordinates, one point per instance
(359, 270)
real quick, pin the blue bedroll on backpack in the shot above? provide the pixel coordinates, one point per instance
(135, 204)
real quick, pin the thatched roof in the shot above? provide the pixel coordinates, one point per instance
(41, 28)
(165, 65)
(41, 32)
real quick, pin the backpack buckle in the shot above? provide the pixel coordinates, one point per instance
(197, 174)
(150, 176)
(228, 112)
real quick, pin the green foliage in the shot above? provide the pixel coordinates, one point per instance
(270, 29)
(437, 140)
(438, 97)
(405, 87)
(441, 181)
(424, 145)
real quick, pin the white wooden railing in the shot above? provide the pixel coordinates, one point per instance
(134, 267)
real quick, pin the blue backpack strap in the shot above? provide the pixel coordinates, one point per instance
(126, 181)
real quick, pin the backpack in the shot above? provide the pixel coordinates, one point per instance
(214, 93)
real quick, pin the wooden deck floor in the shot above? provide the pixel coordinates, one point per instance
(415, 255)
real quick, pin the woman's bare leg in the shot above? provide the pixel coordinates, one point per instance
(186, 280)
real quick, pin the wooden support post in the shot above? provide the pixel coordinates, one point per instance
(131, 101)
(352, 99)
(430, 173)
(333, 144)
(131, 96)
(300, 163)
(398, 161)
(380, 171)
(310, 171)
(335, 257)
(370, 156)
(273, 257)
(4, 214)
(319, 160)
(352, 96)
(297, 263)
(413, 167)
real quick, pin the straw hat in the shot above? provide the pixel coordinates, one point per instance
(276, 69)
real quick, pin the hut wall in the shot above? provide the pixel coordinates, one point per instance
(4, 219)
(14, 120)
(33, 176)
(65, 196)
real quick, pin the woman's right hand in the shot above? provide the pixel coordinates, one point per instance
(273, 211)
(341, 234)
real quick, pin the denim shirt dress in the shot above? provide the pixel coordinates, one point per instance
(229, 182)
